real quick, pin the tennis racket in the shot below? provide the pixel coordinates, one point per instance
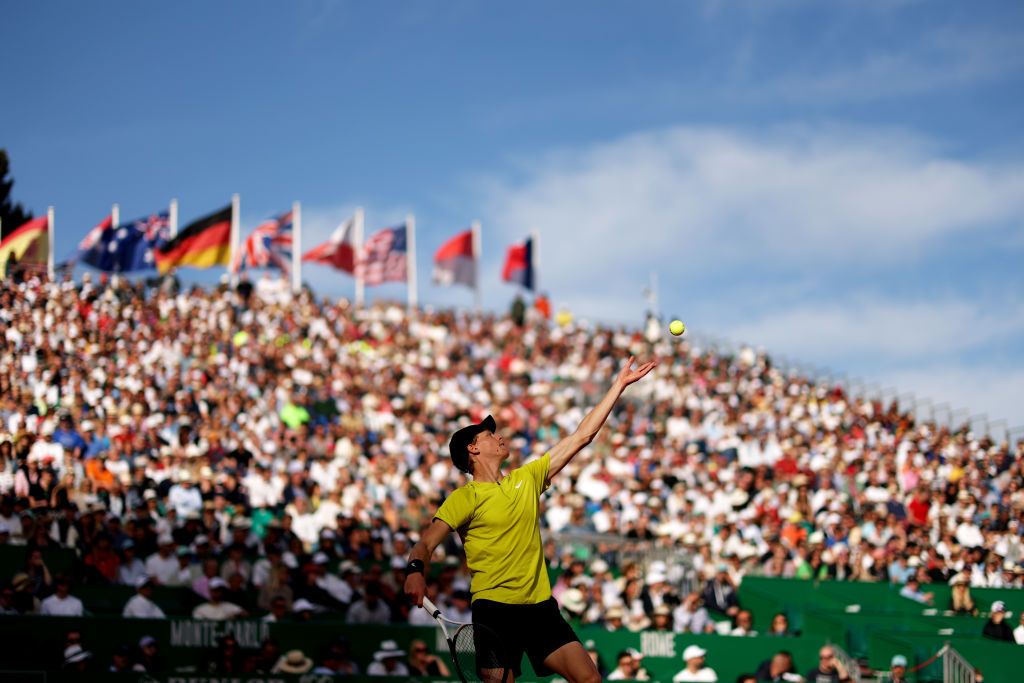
(476, 651)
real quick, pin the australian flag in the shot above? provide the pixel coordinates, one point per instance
(126, 248)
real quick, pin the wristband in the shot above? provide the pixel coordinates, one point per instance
(414, 567)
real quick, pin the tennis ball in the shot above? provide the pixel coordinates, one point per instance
(677, 327)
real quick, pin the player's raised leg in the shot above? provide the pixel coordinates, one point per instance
(573, 664)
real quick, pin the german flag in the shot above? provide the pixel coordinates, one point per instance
(201, 244)
(33, 235)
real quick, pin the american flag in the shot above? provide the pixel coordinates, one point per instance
(385, 257)
(269, 246)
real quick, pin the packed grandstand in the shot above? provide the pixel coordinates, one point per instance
(274, 458)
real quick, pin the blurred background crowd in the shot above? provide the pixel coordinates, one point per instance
(278, 456)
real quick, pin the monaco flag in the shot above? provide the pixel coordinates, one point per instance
(455, 261)
(338, 251)
(519, 266)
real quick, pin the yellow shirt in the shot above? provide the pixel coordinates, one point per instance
(499, 524)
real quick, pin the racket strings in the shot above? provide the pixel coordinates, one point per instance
(478, 649)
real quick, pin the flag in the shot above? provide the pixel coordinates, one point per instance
(127, 248)
(269, 246)
(455, 261)
(95, 235)
(519, 264)
(28, 243)
(385, 257)
(338, 251)
(202, 244)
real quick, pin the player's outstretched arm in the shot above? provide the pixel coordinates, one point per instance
(416, 582)
(567, 448)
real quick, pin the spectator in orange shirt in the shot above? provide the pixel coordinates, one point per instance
(794, 532)
(96, 470)
(543, 306)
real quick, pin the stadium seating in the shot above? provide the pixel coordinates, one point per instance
(294, 443)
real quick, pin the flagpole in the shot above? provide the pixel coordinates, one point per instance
(115, 216)
(296, 247)
(172, 218)
(477, 261)
(50, 234)
(236, 204)
(358, 249)
(535, 257)
(654, 295)
(410, 266)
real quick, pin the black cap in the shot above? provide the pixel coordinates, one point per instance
(465, 436)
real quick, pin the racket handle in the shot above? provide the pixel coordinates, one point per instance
(430, 607)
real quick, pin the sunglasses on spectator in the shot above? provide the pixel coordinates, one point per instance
(419, 649)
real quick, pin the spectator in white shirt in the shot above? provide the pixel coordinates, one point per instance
(263, 568)
(10, 520)
(163, 565)
(1018, 633)
(695, 671)
(459, 608)
(744, 624)
(370, 610)
(184, 497)
(691, 616)
(141, 605)
(305, 524)
(62, 603)
(912, 591)
(332, 583)
(968, 534)
(278, 611)
(185, 575)
(216, 609)
(628, 668)
(132, 568)
(236, 563)
(264, 489)
(387, 661)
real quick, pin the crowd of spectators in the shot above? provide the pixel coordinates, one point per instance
(277, 456)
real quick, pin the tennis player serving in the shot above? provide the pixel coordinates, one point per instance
(498, 520)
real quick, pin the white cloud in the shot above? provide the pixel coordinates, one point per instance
(968, 391)
(886, 330)
(800, 220)
(940, 60)
(706, 199)
(916, 346)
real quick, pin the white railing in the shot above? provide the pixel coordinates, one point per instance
(956, 669)
(851, 665)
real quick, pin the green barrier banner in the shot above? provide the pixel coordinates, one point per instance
(62, 677)
(186, 645)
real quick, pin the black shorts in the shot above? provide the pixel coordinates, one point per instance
(538, 630)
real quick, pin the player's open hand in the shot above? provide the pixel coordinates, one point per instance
(628, 375)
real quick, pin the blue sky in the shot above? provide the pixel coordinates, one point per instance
(841, 182)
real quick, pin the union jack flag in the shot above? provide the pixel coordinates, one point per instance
(385, 257)
(156, 229)
(269, 246)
